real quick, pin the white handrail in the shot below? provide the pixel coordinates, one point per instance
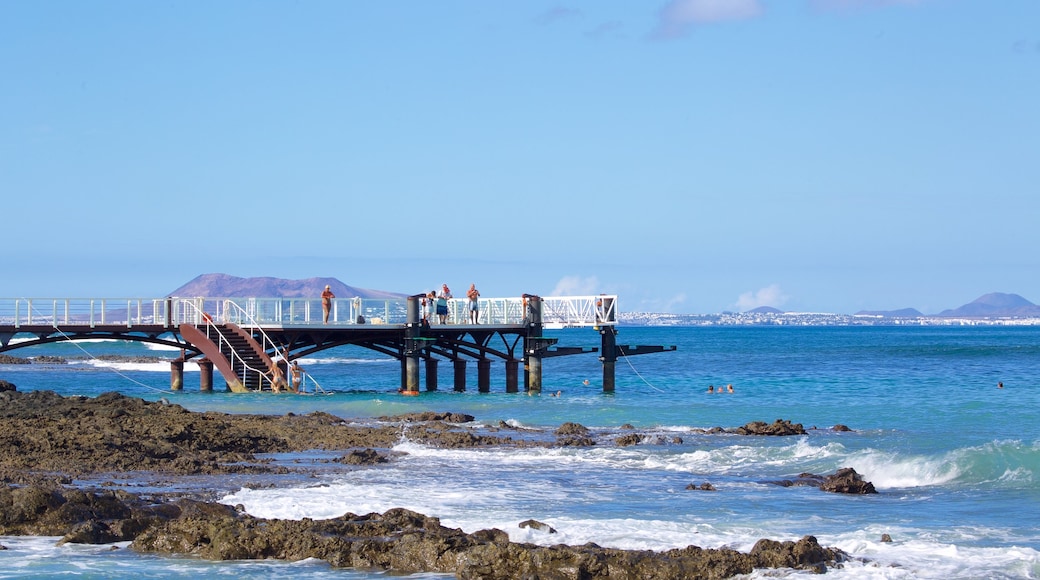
(266, 312)
(229, 305)
(204, 318)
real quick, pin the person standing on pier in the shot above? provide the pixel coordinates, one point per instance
(442, 304)
(473, 294)
(326, 303)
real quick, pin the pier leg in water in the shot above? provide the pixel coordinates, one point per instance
(534, 374)
(176, 375)
(431, 374)
(608, 348)
(484, 375)
(512, 370)
(460, 375)
(206, 376)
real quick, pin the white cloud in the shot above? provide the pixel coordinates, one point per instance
(576, 286)
(769, 296)
(679, 15)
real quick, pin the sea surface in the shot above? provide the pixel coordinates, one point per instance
(955, 459)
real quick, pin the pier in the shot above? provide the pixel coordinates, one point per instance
(252, 341)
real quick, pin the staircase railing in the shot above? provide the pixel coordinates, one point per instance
(231, 307)
(201, 317)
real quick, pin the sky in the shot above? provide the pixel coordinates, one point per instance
(690, 156)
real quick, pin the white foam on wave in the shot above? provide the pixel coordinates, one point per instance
(997, 461)
(474, 489)
(889, 470)
(162, 347)
(151, 367)
(342, 360)
(915, 554)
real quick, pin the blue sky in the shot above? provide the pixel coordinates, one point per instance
(688, 155)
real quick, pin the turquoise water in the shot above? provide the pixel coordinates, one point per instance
(955, 459)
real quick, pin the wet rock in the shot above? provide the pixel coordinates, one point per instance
(41, 431)
(702, 487)
(6, 386)
(537, 525)
(840, 428)
(805, 554)
(572, 429)
(430, 416)
(575, 441)
(846, 480)
(399, 540)
(627, 440)
(885, 538)
(780, 427)
(49, 360)
(363, 457)
(406, 542)
(6, 359)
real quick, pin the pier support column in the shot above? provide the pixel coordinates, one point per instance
(534, 373)
(512, 367)
(484, 375)
(608, 348)
(177, 375)
(412, 348)
(460, 375)
(206, 375)
(431, 374)
(411, 374)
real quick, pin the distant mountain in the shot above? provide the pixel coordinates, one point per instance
(995, 304)
(765, 310)
(225, 286)
(902, 313)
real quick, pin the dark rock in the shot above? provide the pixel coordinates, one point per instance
(780, 427)
(41, 431)
(702, 487)
(430, 416)
(846, 480)
(572, 429)
(6, 359)
(49, 360)
(399, 540)
(805, 554)
(841, 428)
(885, 538)
(363, 457)
(630, 439)
(575, 441)
(6, 386)
(535, 524)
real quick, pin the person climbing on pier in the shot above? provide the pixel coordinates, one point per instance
(326, 303)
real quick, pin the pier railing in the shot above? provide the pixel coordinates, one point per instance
(557, 311)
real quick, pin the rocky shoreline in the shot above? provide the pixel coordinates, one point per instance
(47, 440)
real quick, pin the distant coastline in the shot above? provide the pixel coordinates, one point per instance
(993, 309)
(816, 319)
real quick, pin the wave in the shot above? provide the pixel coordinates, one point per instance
(1008, 463)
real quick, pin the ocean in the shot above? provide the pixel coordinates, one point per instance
(956, 460)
